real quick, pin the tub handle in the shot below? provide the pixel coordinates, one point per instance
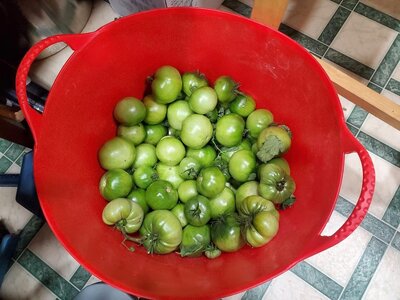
(350, 145)
(33, 117)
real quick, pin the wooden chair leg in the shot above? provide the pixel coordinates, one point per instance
(269, 12)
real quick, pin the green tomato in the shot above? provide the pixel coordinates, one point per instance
(192, 81)
(281, 162)
(205, 156)
(187, 190)
(117, 153)
(203, 100)
(261, 219)
(155, 112)
(226, 233)
(115, 183)
(258, 120)
(275, 184)
(161, 232)
(189, 168)
(166, 85)
(227, 152)
(129, 111)
(177, 113)
(144, 176)
(246, 189)
(223, 203)
(154, 133)
(139, 196)
(229, 130)
(243, 105)
(161, 195)
(210, 182)
(198, 211)
(195, 240)
(170, 174)
(179, 212)
(226, 89)
(272, 142)
(126, 215)
(242, 164)
(145, 155)
(134, 134)
(170, 150)
(196, 131)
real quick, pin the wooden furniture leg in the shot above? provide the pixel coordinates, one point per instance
(271, 12)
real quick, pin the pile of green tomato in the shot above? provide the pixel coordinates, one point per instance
(195, 168)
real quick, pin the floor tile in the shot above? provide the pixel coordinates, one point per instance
(396, 72)
(13, 169)
(385, 282)
(5, 163)
(21, 285)
(238, 297)
(382, 131)
(389, 7)
(349, 4)
(92, 280)
(392, 96)
(396, 241)
(357, 116)
(14, 151)
(347, 106)
(392, 214)
(365, 269)
(309, 16)
(46, 246)
(4, 145)
(28, 233)
(54, 282)
(393, 86)
(299, 289)
(238, 7)
(257, 292)
(356, 41)
(339, 261)
(387, 181)
(335, 24)
(80, 277)
(388, 64)
(377, 147)
(375, 87)
(14, 215)
(349, 63)
(304, 40)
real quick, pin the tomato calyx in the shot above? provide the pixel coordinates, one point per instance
(271, 147)
(212, 251)
(287, 203)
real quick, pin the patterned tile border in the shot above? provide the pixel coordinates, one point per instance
(377, 147)
(318, 280)
(5, 163)
(357, 117)
(14, 151)
(375, 87)
(378, 16)
(80, 277)
(46, 275)
(354, 130)
(396, 241)
(238, 7)
(257, 292)
(365, 269)
(349, 4)
(388, 64)
(28, 233)
(304, 40)
(392, 214)
(334, 25)
(4, 144)
(393, 86)
(349, 63)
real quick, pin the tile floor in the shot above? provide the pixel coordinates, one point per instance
(362, 38)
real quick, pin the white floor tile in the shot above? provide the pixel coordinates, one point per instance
(235, 297)
(387, 182)
(396, 73)
(47, 247)
(12, 213)
(382, 131)
(309, 16)
(290, 287)
(339, 262)
(385, 283)
(21, 285)
(392, 96)
(356, 41)
(92, 280)
(14, 169)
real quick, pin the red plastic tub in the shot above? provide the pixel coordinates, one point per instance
(112, 63)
